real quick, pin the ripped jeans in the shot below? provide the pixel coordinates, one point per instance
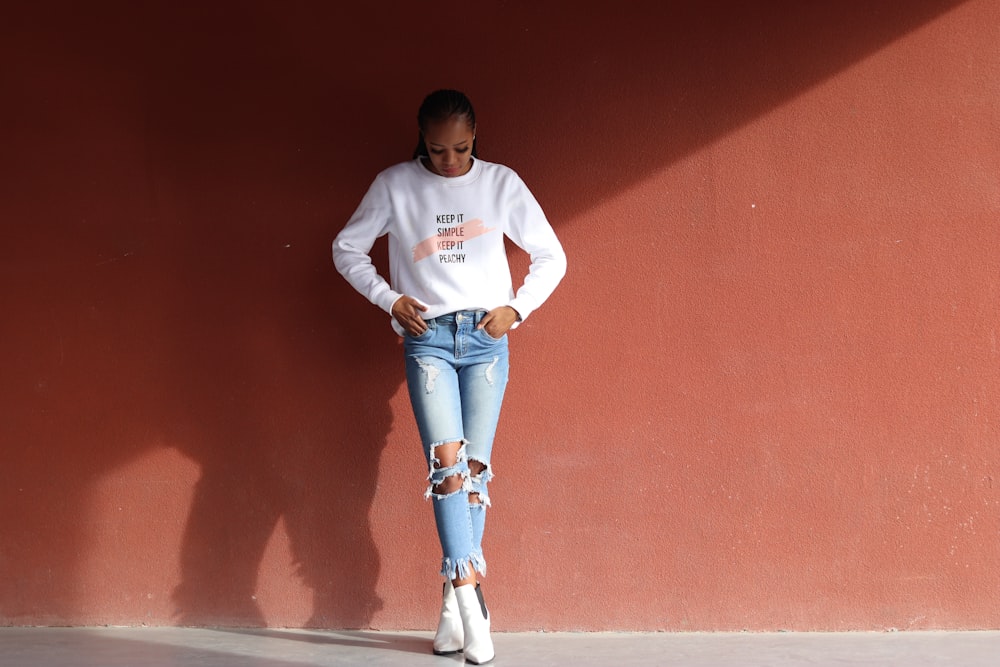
(456, 376)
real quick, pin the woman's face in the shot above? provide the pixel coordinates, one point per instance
(449, 145)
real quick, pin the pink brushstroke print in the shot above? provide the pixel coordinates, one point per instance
(463, 232)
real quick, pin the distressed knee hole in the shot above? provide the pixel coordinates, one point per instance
(479, 471)
(447, 455)
(479, 475)
(449, 485)
(449, 469)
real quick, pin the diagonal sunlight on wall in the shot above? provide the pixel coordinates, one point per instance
(647, 87)
(797, 328)
(858, 130)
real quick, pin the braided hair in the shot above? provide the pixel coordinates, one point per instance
(439, 106)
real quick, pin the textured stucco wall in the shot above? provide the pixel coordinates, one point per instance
(765, 396)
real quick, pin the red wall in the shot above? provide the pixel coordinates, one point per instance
(765, 396)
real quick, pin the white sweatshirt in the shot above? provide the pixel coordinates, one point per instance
(446, 246)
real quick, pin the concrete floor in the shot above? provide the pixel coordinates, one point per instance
(185, 647)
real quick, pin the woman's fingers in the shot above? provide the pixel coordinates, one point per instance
(407, 311)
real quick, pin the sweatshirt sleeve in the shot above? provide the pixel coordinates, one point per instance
(353, 244)
(530, 230)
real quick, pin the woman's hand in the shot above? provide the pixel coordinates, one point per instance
(407, 311)
(498, 321)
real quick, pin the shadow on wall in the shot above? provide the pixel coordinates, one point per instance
(175, 178)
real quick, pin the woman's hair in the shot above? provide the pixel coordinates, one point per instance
(439, 106)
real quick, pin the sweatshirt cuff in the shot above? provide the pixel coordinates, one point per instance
(388, 300)
(522, 308)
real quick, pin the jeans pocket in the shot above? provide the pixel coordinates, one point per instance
(487, 336)
(427, 333)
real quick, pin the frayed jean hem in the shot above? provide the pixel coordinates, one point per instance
(463, 568)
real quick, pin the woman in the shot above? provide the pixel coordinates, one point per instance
(451, 297)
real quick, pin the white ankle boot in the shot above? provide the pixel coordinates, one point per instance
(450, 637)
(475, 623)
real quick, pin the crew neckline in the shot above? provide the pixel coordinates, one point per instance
(470, 175)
